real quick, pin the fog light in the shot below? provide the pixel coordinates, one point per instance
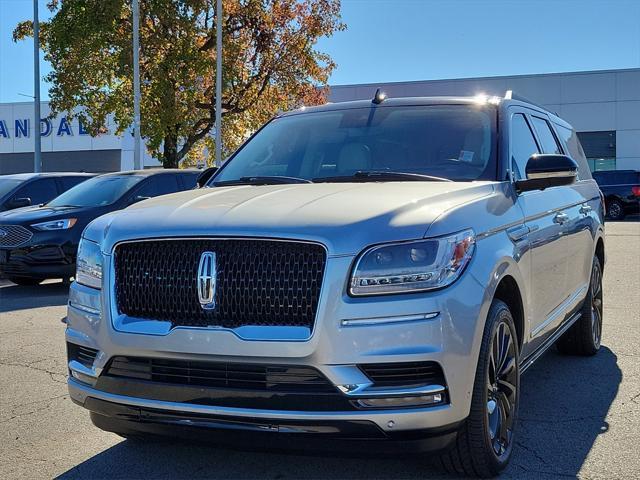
(392, 402)
(81, 377)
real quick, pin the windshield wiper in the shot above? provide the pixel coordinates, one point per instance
(382, 175)
(266, 180)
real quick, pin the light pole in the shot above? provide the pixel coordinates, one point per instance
(37, 146)
(219, 82)
(136, 85)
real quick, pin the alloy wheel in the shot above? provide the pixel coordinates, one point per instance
(596, 305)
(615, 210)
(501, 389)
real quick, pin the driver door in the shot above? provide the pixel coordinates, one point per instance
(544, 219)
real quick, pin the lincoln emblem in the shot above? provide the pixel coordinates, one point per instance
(207, 281)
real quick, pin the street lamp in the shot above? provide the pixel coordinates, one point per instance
(37, 147)
(219, 82)
(136, 85)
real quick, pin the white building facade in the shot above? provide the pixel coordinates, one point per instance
(66, 145)
(603, 106)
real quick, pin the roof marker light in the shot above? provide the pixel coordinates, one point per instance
(379, 97)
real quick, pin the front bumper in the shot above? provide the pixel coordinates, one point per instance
(348, 332)
(299, 431)
(39, 260)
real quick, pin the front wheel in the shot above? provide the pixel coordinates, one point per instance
(485, 441)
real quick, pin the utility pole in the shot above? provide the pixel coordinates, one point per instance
(136, 85)
(219, 83)
(37, 145)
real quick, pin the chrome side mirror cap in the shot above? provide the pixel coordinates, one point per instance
(548, 170)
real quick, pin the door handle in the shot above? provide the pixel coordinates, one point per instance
(585, 209)
(561, 218)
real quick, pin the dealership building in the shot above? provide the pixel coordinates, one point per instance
(66, 145)
(603, 106)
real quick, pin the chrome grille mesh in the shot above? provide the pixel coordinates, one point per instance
(14, 235)
(259, 282)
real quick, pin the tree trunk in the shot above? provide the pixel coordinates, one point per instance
(170, 156)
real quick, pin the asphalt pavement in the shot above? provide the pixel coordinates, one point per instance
(579, 417)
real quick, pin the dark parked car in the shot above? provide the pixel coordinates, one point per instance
(41, 242)
(621, 189)
(25, 189)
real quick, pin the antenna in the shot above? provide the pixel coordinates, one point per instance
(379, 97)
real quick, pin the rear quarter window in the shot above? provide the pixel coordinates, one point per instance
(569, 138)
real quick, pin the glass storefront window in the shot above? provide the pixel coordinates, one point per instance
(598, 164)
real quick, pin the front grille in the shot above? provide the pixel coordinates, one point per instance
(404, 374)
(14, 235)
(258, 282)
(270, 378)
(84, 355)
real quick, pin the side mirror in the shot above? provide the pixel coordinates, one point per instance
(138, 198)
(548, 170)
(20, 202)
(204, 177)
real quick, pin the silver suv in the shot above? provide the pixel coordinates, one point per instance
(376, 270)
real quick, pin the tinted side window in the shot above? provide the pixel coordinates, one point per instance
(572, 144)
(39, 191)
(158, 185)
(188, 180)
(545, 135)
(68, 182)
(523, 145)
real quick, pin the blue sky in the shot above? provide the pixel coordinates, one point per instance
(396, 40)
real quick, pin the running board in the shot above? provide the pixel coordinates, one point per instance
(526, 363)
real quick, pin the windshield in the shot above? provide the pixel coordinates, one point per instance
(8, 184)
(454, 142)
(97, 191)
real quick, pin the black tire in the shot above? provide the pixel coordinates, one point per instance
(615, 210)
(485, 441)
(26, 282)
(584, 336)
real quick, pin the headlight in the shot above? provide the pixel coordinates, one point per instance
(412, 266)
(55, 224)
(89, 264)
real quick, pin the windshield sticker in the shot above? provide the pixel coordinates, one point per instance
(466, 156)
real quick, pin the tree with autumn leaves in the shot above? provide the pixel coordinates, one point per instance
(269, 64)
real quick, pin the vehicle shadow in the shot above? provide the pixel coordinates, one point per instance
(564, 405)
(16, 297)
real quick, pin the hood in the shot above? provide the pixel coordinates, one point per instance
(37, 214)
(344, 216)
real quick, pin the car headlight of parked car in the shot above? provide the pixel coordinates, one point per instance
(55, 224)
(89, 264)
(412, 266)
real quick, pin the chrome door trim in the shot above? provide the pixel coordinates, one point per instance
(559, 310)
(530, 218)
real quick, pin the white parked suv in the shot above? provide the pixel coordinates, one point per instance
(375, 270)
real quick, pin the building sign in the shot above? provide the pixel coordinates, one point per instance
(22, 128)
(62, 133)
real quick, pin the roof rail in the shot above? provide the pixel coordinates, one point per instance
(509, 95)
